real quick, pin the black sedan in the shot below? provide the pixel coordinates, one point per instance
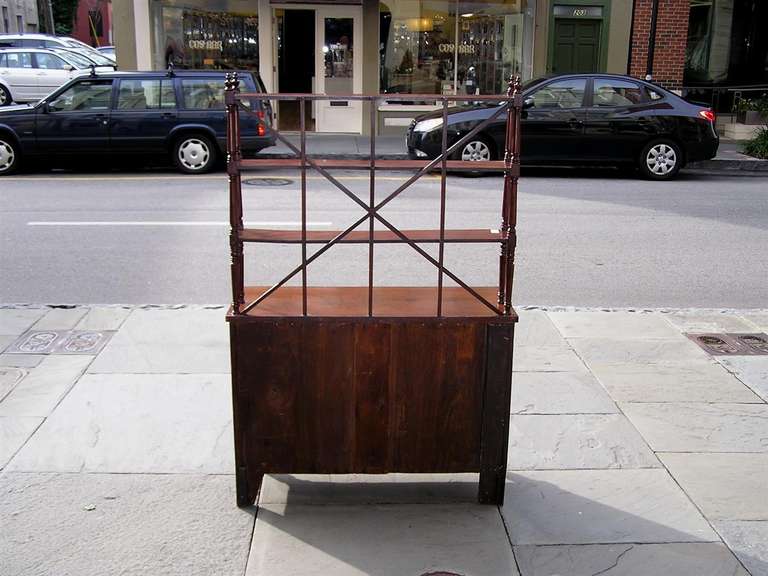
(578, 119)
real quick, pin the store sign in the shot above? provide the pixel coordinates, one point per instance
(206, 45)
(451, 48)
(578, 11)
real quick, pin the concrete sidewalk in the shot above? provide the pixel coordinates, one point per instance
(632, 452)
(729, 155)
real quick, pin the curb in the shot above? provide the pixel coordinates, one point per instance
(730, 165)
(714, 165)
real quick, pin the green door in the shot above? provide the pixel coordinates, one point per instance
(577, 46)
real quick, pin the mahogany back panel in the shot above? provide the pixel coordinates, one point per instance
(336, 395)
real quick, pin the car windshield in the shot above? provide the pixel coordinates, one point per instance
(90, 58)
(77, 59)
(76, 43)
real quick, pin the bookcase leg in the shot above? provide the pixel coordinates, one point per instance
(247, 492)
(495, 427)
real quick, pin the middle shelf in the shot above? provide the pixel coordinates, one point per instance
(363, 236)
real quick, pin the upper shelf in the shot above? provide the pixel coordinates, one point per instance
(363, 237)
(345, 164)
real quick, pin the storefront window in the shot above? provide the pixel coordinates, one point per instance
(727, 43)
(454, 46)
(203, 34)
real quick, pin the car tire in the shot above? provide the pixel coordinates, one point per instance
(9, 155)
(478, 148)
(660, 160)
(194, 154)
(5, 96)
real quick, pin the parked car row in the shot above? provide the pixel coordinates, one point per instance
(33, 65)
(577, 119)
(131, 113)
(48, 41)
(582, 119)
(29, 74)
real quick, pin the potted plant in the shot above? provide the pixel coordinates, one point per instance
(752, 111)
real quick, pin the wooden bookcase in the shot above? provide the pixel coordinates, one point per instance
(372, 379)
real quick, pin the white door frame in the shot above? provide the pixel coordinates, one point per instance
(346, 118)
(325, 122)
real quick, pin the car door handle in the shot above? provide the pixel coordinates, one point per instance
(575, 122)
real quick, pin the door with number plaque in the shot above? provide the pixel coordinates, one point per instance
(339, 67)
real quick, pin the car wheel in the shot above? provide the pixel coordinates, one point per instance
(5, 96)
(661, 160)
(477, 149)
(194, 154)
(9, 156)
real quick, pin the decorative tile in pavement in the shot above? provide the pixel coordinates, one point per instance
(61, 342)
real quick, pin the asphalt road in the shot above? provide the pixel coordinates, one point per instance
(585, 238)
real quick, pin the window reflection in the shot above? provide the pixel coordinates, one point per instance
(453, 46)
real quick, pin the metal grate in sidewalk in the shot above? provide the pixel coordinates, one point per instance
(732, 344)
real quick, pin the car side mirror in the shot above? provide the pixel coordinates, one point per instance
(69, 68)
(45, 108)
(528, 103)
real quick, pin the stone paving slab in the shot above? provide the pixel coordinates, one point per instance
(16, 321)
(131, 423)
(698, 427)
(751, 370)
(749, 541)
(576, 441)
(759, 319)
(184, 341)
(600, 507)
(688, 559)
(723, 486)
(559, 393)
(648, 352)
(42, 389)
(700, 381)
(6, 341)
(9, 377)
(61, 318)
(613, 325)
(547, 359)
(379, 541)
(692, 321)
(14, 431)
(128, 524)
(21, 360)
(535, 328)
(104, 318)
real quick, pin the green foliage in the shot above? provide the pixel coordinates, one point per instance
(64, 15)
(749, 104)
(758, 146)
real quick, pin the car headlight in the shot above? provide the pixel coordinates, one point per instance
(427, 125)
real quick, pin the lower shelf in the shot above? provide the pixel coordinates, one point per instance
(388, 301)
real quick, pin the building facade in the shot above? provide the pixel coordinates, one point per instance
(410, 46)
(93, 22)
(18, 16)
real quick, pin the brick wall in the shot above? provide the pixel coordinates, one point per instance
(671, 35)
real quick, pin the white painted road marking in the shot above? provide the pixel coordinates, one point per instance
(169, 223)
(181, 177)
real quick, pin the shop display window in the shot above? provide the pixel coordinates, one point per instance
(213, 35)
(454, 46)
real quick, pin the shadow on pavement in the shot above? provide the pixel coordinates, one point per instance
(381, 528)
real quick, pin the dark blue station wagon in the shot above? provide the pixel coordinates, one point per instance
(180, 114)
